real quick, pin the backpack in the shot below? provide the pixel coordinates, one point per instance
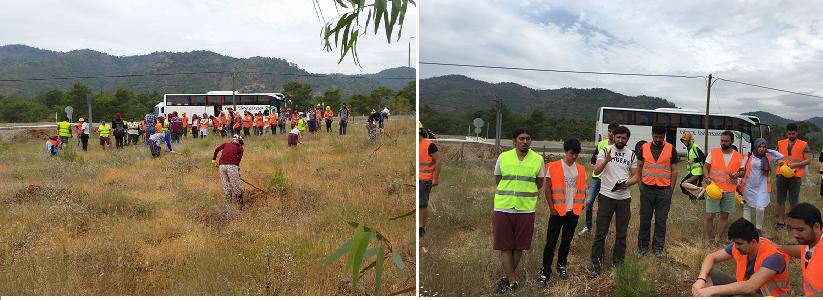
(176, 125)
(119, 128)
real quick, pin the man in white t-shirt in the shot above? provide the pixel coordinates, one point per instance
(617, 165)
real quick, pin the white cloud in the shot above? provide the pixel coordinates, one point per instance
(239, 28)
(772, 43)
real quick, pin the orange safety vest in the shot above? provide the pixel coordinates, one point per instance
(657, 172)
(813, 274)
(185, 122)
(796, 156)
(719, 172)
(558, 181)
(204, 123)
(158, 127)
(329, 114)
(217, 123)
(426, 168)
(54, 142)
(237, 121)
(318, 114)
(143, 125)
(266, 121)
(258, 121)
(78, 128)
(778, 285)
(749, 168)
(247, 121)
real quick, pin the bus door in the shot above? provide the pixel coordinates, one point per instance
(671, 135)
(217, 109)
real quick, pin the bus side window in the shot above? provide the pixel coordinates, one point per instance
(716, 123)
(645, 118)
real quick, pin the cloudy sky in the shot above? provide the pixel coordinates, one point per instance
(288, 29)
(772, 43)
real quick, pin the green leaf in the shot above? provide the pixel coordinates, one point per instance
(378, 271)
(398, 261)
(359, 244)
(338, 253)
(368, 19)
(341, 3)
(402, 18)
(395, 10)
(409, 213)
(369, 253)
(379, 8)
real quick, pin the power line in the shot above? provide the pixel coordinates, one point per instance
(559, 71)
(769, 88)
(201, 73)
(615, 73)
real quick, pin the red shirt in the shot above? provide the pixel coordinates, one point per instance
(232, 154)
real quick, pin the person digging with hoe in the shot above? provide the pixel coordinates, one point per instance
(229, 168)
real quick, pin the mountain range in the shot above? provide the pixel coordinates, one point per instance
(460, 94)
(258, 74)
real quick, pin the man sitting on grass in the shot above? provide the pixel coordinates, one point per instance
(760, 268)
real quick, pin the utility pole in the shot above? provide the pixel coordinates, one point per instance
(233, 89)
(706, 122)
(499, 125)
(410, 39)
(88, 103)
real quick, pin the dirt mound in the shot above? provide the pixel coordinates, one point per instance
(467, 151)
(220, 215)
(26, 135)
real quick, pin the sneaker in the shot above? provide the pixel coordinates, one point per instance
(543, 280)
(513, 287)
(502, 286)
(561, 271)
(643, 251)
(595, 270)
(659, 254)
(584, 231)
(422, 231)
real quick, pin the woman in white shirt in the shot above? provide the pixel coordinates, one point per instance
(755, 191)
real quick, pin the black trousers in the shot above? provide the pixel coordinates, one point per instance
(343, 125)
(85, 139)
(119, 140)
(653, 203)
(606, 207)
(328, 125)
(557, 224)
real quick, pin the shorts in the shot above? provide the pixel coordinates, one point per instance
(105, 141)
(726, 204)
(512, 231)
(787, 188)
(425, 190)
(64, 139)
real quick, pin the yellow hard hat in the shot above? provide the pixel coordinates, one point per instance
(419, 125)
(318, 104)
(81, 120)
(786, 171)
(714, 192)
(739, 198)
(328, 107)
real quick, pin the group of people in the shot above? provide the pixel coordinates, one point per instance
(521, 173)
(168, 129)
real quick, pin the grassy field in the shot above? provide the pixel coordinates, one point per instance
(458, 259)
(122, 223)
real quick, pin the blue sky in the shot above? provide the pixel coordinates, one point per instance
(773, 43)
(241, 28)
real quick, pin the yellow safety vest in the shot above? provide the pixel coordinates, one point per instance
(600, 146)
(105, 130)
(517, 188)
(64, 128)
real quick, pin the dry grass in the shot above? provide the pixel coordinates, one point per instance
(122, 223)
(459, 261)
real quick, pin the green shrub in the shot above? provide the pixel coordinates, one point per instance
(266, 145)
(276, 181)
(631, 279)
(142, 209)
(70, 155)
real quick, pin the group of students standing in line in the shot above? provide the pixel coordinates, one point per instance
(521, 173)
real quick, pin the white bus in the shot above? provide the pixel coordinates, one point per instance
(213, 102)
(678, 121)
